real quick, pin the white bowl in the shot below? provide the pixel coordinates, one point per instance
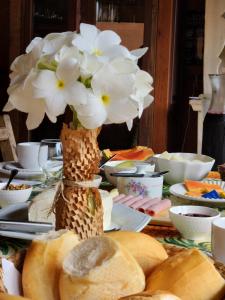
(141, 186)
(111, 167)
(9, 197)
(183, 166)
(92, 183)
(193, 228)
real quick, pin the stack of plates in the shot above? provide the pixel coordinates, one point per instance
(6, 167)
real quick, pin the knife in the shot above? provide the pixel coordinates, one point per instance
(7, 225)
(124, 174)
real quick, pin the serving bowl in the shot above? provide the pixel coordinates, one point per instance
(183, 166)
(9, 197)
(125, 165)
(193, 222)
(141, 186)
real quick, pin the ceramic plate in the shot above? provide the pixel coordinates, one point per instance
(23, 173)
(15, 165)
(123, 218)
(179, 190)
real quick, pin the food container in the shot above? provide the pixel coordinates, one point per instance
(144, 186)
(193, 222)
(183, 166)
(8, 197)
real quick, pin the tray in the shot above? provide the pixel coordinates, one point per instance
(123, 218)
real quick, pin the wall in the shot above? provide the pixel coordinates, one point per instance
(214, 38)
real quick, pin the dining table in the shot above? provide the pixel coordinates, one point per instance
(159, 227)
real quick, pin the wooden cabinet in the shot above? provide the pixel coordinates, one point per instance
(148, 23)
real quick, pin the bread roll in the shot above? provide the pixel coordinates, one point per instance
(190, 275)
(146, 250)
(4, 296)
(158, 295)
(43, 262)
(100, 268)
(40, 208)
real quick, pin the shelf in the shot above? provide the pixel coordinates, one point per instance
(132, 34)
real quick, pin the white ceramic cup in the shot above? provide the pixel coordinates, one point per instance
(144, 186)
(218, 239)
(28, 153)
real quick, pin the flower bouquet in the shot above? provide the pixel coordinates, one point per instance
(100, 81)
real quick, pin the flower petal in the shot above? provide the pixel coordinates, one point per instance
(45, 84)
(107, 39)
(129, 124)
(117, 86)
(116, 51)
(127, 110)
(138, 53)
(85, 40)
(76, 94)
(89, 64)
(93, 114)
(124, 66)
(35, 118)
(8, 107)
(36, 42)
(89, 32)
(68, 70)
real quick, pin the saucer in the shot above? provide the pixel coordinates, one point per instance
(23, 173)
(16, 165)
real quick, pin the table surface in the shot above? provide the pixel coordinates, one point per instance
(166, 234)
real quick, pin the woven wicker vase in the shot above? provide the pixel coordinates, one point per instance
(79, 208)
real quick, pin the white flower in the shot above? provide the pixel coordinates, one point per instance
(110, 100)
(67, 52)
(23, 64)
(53, 42)
(61, 87)
(91, 72)
(105, 45)
(22, 99)
(142, 88)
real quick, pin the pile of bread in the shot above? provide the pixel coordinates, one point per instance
(117, 265)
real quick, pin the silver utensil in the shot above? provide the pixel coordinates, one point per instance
(20, 226)
(13, 173)
(149, 174)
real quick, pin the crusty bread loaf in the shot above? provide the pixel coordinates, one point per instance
(157, 295)
(4, 296)
(43, 263)
(40, 207)
(100, 268)
(146, 250)
(190, 275)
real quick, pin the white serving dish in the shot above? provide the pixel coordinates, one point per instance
(138, 166)
(184, 166)
(141, 186)
(193, 228)
(9, 197)
(6, 167)
(123, 218)
(179, 191)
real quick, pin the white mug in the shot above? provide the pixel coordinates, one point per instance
(28, 154)
(218, 239)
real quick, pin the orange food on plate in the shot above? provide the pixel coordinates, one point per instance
(196, 193)
(213, 175)
(196, 187)
(136, 153)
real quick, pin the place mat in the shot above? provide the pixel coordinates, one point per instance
(169, 235)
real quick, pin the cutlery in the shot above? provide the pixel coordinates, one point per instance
(107, 160)
(13, 173)
(152, 174)
(7, 225)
